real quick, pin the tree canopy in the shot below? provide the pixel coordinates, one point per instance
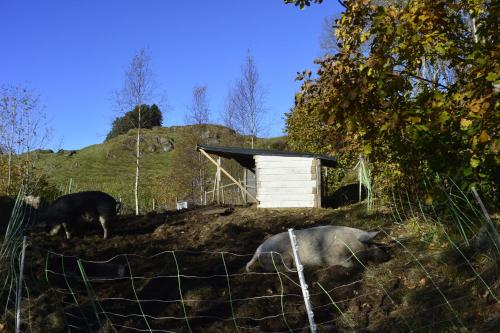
(150, 117)
(303, 3)
(422, 97)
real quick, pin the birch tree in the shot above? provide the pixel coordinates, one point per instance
(23, 126)
(198, 114)
(245, 102)
(138, 88)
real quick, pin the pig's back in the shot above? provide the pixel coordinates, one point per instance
(327, 244)
(92, 202)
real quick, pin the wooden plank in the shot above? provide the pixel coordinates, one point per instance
(283, 164)
(286, 184)
(289, 177)
(281, 182)
(284, 198)
(287, 204)
(286, 171)
(286, 193)
(301, 190)
(284, 160)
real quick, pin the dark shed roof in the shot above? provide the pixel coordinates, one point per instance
(244, 156)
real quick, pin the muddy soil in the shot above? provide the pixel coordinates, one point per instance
(185, 272)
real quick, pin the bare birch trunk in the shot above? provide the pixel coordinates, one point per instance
(9, 166)
(138, 153)
(474, 30)
(11, 148)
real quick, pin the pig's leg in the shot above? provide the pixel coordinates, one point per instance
(55, 230)
(288, 263)
(103, 224)
(66, 230)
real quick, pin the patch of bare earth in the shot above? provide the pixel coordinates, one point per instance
(184, 271)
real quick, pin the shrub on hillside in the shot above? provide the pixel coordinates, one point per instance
(24, 173)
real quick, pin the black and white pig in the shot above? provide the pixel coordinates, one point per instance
(321, 246)
(69, 209)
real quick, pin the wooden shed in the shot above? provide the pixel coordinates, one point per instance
(277, 179)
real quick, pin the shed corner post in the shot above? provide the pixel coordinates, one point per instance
(244, 195)
(318, 183)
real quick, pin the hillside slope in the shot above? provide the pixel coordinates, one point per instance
(110, 166)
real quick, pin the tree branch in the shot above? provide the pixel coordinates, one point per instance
(423, 79)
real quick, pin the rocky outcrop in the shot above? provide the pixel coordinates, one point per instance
(161, 144)
(210, 137)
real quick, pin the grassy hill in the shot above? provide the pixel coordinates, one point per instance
(110, 166)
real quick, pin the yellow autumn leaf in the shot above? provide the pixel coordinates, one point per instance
(479, 106)
(474, 142)
(484, 137)
(475, 106)
(465, 123)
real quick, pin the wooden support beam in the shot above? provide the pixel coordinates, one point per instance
(218, 176)
(228, 175)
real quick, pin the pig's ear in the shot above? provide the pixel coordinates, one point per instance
(367, 236)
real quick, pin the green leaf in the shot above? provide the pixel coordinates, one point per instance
(443, 117)
(422, 128)
(467, 171)
(492, 76)
(414, 120)
(474, 162)
(367, 149)
(440, 50)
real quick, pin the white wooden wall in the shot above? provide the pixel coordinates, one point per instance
(286, 181)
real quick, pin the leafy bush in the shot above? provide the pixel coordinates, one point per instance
(150, 117)
(25, 173)
(414, 86)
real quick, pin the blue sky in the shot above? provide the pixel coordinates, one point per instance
(74, 53)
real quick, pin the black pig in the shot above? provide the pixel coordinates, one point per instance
(70, 208)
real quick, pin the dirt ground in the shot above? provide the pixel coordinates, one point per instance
(189, 275)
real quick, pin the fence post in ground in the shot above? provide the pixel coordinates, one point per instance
(303, 285)
(20, 288)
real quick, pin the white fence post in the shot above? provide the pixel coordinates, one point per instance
(303, 285)
(20, 288)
